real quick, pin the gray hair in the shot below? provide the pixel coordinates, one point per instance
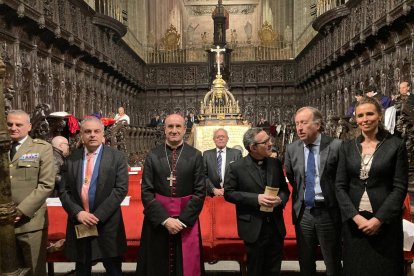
(317, 115)
(20, 112)
(238, 147)
(91, 119)
(249, 137)
(220, 129)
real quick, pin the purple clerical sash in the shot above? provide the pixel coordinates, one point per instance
(189, 236)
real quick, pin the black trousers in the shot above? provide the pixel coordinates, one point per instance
(316, 227)
(113, 266)
(264, 256)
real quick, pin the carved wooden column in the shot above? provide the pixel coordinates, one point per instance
(8, 262)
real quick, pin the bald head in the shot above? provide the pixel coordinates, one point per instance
(175, 117)
(62, 144)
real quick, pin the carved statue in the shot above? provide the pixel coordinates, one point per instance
(248, 29)
(233, 37)
(204, 38)
(40, 126)
(8, 98)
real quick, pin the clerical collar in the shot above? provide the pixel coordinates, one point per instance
(171, 148)
(258, 162)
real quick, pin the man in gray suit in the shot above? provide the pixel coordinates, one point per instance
(216, 162)
(310, 165)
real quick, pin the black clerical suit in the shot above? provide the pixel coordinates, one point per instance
(157, 244)
(263, 233)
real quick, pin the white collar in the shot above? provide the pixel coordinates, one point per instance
(22, 141)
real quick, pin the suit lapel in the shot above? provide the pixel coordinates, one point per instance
(269, 173)
(323, 154)
(228, 157)
(213, 158)
(301, 159)
(254, 172)
(78, 169)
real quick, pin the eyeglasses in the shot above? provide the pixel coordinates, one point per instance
(264, 142)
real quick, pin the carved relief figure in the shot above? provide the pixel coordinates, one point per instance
(248, 29)
(204, 38)
(190, 33)
(233, 37)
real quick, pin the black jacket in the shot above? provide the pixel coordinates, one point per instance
(387, 182)
(242, 186)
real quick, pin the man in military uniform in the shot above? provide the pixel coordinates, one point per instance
(32, 178)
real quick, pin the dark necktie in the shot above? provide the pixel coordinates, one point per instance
(219, 162)
(310, 179)
(13, 149)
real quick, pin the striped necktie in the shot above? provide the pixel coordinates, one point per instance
(219, 162)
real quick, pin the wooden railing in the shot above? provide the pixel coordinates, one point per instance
(323, 6)
(116, 9)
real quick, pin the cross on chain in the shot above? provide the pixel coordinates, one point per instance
(218, 51)
(171, 179)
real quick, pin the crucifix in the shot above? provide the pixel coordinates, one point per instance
(171, 179)
(218, 51)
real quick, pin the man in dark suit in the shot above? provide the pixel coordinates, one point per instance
(217, 160)
(155, 121)
(245, 183)
(310, 165)
(191, 120)
(94, 183)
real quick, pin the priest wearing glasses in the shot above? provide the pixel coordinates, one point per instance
(173, 192)
(257, 186)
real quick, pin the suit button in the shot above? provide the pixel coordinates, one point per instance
(11, 165)
(11, 176)
(29, 166)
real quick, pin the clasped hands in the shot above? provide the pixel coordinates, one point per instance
(268, 201)
(367, 226)
(174, 225)
(87, 218)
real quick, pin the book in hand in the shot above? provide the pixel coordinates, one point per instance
(269, 191)
(83, 231)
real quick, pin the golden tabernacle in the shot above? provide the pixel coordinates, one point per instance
(219, 109)
(219, 106)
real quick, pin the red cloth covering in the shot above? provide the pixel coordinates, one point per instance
(73, 124)
(108, 121)
(217, 221)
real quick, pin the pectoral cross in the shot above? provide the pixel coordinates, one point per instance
(218, 51)
(171, 179)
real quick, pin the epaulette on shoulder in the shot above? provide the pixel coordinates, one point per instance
(39, 141)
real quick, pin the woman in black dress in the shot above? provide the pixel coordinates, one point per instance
(371, 185)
